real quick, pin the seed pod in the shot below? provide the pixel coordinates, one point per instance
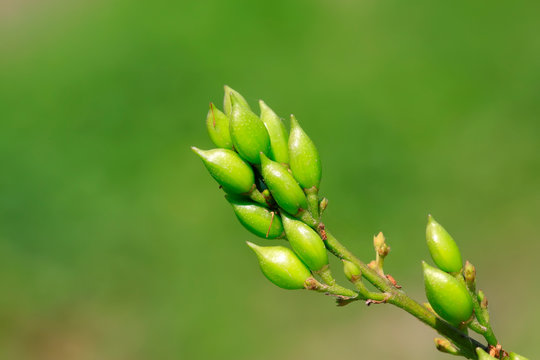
(514, 356)
(256, 218)
(228, 169)
(447, 295)
(248, 134)
(283, 187)
(442, 247)
(217, 124)
(482, 355)
(304, 157)
(306, 243)
(351, 271)
(227, 103)
(281, 266)
(278, 134)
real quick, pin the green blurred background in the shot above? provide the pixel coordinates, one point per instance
(115, 243)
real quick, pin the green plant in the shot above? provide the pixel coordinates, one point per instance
(273, 185)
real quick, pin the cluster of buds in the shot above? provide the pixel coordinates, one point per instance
(271, 178)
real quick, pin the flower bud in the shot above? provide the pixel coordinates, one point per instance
(379, 243)
(217, 124)
(514, 356)
(283, 187)
(304, 158)
(306, 243)
(256, 218)
(469, 273)
(447, 295)
(281, 266)
(482, 355)
(227, 102)
(351, 271)
(248, 133)
(278, 134)
(228, 169)
(445, 346)
(442, 247)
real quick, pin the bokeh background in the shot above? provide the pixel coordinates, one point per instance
(115, 243)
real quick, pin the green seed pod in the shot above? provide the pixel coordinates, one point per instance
(248, 133)
(447, 295)
(217, 124)
(227, 102)
(283, 187)
(256, 218)
(351, 271)
(442, 247)
(228, 169)
(304, 157)
(278, 134)
(306, 243)
(514, 356)
(482, 355)
(281, 266)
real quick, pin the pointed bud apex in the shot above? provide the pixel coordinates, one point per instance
(447, 295)
(442, 247)
(304, 158)
(323, 205)
(445, 346)
(482, 355)
(482, 299)
(228, 101)
(217, 124)
(248, 134)
(352, 272)
(228, 169)
(283, 187)
(469, 273)
(278, 134)
(281, 266)
(256, 218)
(514, 356)
(306, 243)
(379, 243)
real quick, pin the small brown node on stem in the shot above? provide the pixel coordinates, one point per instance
(221, 187)
(393, 281)
(322, 231)
(343, 302)
(497, 351)
(311, 284)
(383, 301)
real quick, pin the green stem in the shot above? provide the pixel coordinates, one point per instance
(312, 195)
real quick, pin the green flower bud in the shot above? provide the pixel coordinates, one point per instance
(217, 124)
(304, 158)
(306, 243)
(443, 249)
(227, 102)
(469, 274)
(447, 295)
(277, 132)
(248, 133)
(351, 271)
(256, 218)
(283, 187)
(228, 169)
(445, 346)
(514, 356)
(281, 266)
(482, 355)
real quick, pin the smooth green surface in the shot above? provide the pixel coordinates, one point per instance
(306, 243)
(278, 134)
(112, 232)
(442, 247)
(284, 188)
(217, 125)
(447, 296)
(304, 157)
(256, 218)
(281, 266)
